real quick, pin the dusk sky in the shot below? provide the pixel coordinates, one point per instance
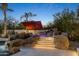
(44, 11)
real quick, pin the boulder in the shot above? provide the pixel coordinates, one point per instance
(61, 42)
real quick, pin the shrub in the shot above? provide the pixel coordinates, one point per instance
(23, 35)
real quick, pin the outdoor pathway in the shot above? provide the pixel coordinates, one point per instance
(44, 52)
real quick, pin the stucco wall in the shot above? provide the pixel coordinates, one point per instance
(30, 31)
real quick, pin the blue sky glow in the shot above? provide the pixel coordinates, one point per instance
(44, 11)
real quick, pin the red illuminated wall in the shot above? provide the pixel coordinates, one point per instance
(33, 25)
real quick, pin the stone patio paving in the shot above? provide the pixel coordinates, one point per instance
(45, 52)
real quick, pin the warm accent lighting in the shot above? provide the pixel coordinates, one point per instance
(33, 25)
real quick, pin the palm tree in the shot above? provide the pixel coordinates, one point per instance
(4, 8)
(27, 15)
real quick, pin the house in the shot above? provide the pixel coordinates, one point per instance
(32, 26)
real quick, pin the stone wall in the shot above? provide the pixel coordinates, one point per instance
(61, 42)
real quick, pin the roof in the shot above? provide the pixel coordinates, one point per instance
(33, 25)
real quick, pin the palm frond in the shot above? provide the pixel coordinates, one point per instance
(34, 15)
(10, 10)
(22, 17)
(0, 7)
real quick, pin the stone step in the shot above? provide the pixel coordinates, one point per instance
(46, 38)
(50, 42)
(44, 42)
(44, 45)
